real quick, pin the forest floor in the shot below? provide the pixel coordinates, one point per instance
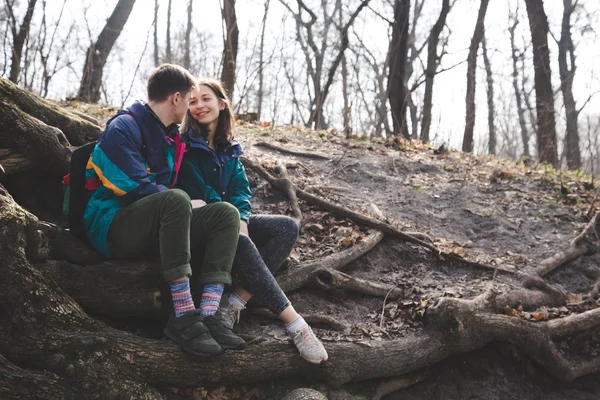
(500, 212)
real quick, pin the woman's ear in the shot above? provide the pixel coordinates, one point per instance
(221, 105)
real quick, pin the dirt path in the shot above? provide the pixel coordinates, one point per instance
(516, 214)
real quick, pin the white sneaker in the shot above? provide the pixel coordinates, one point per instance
(309, 346)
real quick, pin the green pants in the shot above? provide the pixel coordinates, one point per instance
(167, 222)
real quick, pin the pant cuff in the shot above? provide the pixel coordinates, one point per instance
(280, 310)
(177, 272)
(220, 277)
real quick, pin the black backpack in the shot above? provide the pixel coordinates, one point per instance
(76, 195)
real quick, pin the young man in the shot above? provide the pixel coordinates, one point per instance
(134, 211)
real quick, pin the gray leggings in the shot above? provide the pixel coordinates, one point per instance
(258, 258)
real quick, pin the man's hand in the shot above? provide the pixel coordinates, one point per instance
(197, 203)
(243, 228)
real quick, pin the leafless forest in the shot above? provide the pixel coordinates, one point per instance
(443, 274)
(370, 67)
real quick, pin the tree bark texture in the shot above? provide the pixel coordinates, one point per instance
(261, 71)
(567, 70)
(97, 53)
(230, 43)
(77, 130)
(19, 42)
(515, 56)
(188, 34)
(468, 140)
(397, 55)
(345, 95)
(155, 39)
(169, 53)
(490, 99)
(433, 61)
(544, 95)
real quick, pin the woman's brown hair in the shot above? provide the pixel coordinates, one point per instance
(226, 122)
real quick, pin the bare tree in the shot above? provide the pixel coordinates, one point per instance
(315, 54)
(378, 118)
(168, 54)
(467, 145)
(156, 58)
(567, 70)
(188, 33)
(414, 52)
(433, 61)
(46, 47)
(544, 96)
(515, 56)
(261, 72)
(397, 55)
(230, 45)
(98, 52)
(346, 112)
(19, 36)
(490, 98)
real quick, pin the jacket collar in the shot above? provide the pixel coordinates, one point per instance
(152, 129)
(198, 142)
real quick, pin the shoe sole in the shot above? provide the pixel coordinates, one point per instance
(186, 348)
(239, 347)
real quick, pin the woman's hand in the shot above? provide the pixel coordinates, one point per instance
(197, 203)
(243, 228)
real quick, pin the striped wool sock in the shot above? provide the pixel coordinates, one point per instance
(182, 298)
(210, 299)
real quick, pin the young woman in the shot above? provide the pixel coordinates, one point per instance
(211, 171)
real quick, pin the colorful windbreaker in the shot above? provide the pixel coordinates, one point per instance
(134, 158)
(215, 176)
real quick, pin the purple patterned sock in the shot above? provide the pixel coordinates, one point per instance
(211, 296)
(182, 297)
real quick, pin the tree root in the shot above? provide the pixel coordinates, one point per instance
(14, 162)
(586, 242)
(328, 279)
(41, 144)
(292, 152)
(77, 130)
(401, 382)
(314, 319)
(289, 190)
(302, 275)
(363, 219)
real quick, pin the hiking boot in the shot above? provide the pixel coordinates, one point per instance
(223, 335)
(189, 332)
(227, 314)
(309, 346)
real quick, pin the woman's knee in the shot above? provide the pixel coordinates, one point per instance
(290, 226)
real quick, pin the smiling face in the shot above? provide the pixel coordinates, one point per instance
(205, 107)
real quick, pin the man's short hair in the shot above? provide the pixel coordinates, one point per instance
(167, 79)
